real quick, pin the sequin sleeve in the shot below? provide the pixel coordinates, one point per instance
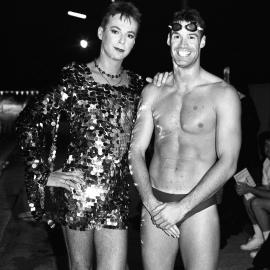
(36, 128)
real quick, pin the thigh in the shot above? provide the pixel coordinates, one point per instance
(79, 247)
(158, 249)
(199, 240)
(261, 203)
(111, 249)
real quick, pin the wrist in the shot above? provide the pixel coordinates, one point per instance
(151, 203)
(184, 206)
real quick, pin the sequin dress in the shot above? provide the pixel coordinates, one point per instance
(101, 118)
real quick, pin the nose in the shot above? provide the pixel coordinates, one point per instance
(122, 39)
(183, 42)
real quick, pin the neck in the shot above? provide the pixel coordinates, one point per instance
(109, 65)
(187, 75)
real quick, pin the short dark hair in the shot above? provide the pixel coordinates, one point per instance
(189, 15)
(262, 138)
(125, 9)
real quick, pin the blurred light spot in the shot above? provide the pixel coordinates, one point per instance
(84, 43)
(77, 15)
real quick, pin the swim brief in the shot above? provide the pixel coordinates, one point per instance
(170, 197)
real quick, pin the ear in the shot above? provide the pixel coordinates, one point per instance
(203, 41)
(100, 32)
(169, 39)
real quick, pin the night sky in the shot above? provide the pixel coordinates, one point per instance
(41, 38)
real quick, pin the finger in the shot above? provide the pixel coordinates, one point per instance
(156, 78)
(149, 80)
(79, 173)
(175, 234)
(159, 79)
(69, 185)
(170, 233)
(75, 173)
(74, 177)
(160, 207)
(165, 77)
(63, 183)
(77, 180)
(162, 222)
(158, 219)
(165, 225)
(175, 230)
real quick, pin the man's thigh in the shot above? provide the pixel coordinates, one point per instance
(111, 249)
(158, 249)
(199, 240)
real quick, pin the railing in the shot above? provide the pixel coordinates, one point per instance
(12, 102)
(19, 92)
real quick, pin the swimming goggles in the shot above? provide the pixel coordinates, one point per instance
(192, 26)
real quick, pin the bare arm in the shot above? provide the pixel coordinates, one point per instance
(260, 191)
(228, 141)
(263, 193)
(141, 137)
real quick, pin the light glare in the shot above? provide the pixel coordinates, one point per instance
(84, 43)
(77, 15)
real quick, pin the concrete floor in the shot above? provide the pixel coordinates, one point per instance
(29, 246)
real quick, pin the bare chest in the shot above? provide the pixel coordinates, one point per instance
(191, 114)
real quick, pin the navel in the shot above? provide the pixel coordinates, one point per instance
(195, 108)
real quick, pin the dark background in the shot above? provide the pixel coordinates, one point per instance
(39, 37)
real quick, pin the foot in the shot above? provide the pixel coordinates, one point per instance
(253, 243)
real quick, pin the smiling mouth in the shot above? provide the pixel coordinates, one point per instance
(183, 53)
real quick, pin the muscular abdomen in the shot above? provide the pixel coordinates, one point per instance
(180, 160)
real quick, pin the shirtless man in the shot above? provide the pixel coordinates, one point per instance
(196, 119)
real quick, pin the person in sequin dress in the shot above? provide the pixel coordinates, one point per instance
(88, 196)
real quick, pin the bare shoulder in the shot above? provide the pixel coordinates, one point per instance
(150, 92)
(220, 90)
(225, 92)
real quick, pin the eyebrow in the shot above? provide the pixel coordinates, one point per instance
(114, 26)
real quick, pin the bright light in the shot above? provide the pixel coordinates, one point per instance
(77, 15)
(84, 43)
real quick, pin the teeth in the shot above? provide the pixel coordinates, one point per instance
(184, 53)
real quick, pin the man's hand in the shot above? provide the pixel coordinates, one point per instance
(67, 180)
(242, 188)
(151, 207)
(167, 215)
(159, 79)
(173, 231)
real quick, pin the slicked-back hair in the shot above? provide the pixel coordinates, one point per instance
(189, 15)
(125, 9)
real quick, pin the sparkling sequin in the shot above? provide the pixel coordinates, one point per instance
(101, 119)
